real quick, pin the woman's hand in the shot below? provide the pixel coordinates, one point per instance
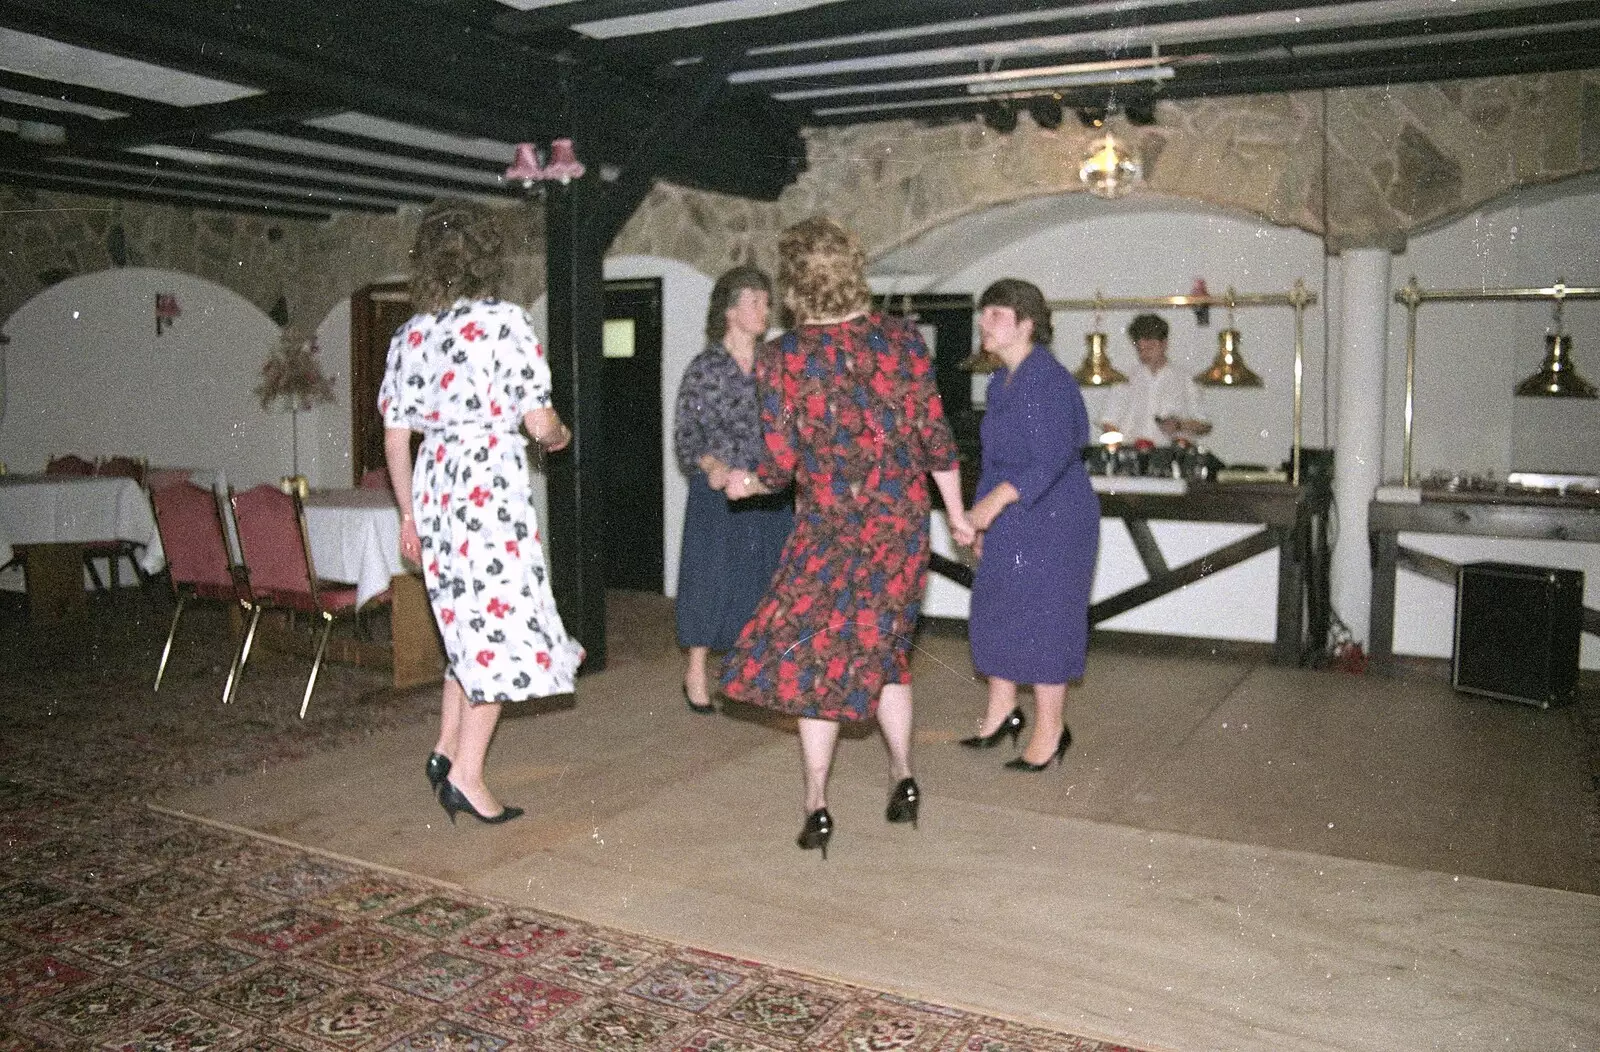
(546, 428)
(716, 471)
(977, 545)
(410, 543)
(994, 502)
(961, 530)
(742, 484)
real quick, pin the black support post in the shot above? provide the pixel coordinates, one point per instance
(574, 260)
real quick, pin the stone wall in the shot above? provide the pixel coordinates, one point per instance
(1393, 161)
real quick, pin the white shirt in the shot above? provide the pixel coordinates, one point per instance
(1134, 406)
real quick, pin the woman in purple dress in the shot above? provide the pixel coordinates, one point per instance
(1039, 529)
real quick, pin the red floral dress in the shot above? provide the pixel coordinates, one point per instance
(851, 414)
(464, 377)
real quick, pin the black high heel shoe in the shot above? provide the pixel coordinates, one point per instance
(1019, 764)
(454, 800)
(438, 769)
(904, 801)
(817, 831)
(1011, 725)
(708, 709)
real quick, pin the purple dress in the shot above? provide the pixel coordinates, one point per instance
(1030, 599)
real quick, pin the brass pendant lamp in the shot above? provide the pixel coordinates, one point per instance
(1557, 377)
(1228, 368)
(1097, 370)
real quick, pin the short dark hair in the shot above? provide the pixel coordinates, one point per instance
(725, 293)
(1024, 298)
(1147, 327)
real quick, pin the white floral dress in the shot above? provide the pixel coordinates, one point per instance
(464, 377)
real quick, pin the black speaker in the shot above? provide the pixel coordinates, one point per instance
(1517, 632)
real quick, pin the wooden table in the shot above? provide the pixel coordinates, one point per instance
(1509, 515)
(1293, 519)
(47, 519)
(355, 539)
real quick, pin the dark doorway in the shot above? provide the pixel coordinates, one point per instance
(376, 311)
(631, 385)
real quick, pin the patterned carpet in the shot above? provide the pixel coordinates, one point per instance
(122, 928)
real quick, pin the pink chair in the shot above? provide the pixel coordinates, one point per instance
(375, 478)
(277, 555)
(190, 524)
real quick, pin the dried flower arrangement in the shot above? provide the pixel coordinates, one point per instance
(292, 376)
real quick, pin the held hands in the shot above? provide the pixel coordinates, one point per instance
(961, 530)
(741, 484)
(993, 503)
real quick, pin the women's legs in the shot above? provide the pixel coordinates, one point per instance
(466, 770)
(451, 708)
(817, 741)
(894, 719)
(1002, 700)
(694, 677)
(1050, 703)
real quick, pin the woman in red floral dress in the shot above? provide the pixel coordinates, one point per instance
(850, 413)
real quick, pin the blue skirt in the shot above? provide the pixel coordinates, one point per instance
(730, 551)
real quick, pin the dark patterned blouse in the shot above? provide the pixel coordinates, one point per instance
(717, 413)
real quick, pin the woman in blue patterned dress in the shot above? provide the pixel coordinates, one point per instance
(466, 372)
(1039, 528)
(730, 548)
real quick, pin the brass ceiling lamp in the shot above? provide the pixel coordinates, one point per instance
(1228, 368)
(1557, 377)
(1110, 170)
(1097, 370)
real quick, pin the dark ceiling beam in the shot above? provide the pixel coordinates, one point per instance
(825, 25)
(183, 124)
(1536, 22)
(400, 69)
(352, 141)
(544, 19)
(238, 183)
(134, 191)
(75, 93)
(333, 171)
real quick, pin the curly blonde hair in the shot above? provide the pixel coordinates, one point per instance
(457, 255)
(823, 271)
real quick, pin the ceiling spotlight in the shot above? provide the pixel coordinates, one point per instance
(1001, 117)
(1142, 113)
(1093, 116)
(1045, 111)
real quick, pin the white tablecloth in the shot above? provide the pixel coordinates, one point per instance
(355, 538)
(58, 509)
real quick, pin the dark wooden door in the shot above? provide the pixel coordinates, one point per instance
(376, 311)
(631, 384)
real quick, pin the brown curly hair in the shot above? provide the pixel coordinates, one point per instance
(725, 294)
(823, 271)
(456, 256)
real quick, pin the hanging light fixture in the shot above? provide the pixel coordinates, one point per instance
(1110, 170)
(525, 166)
(1228, 368)
(1097, 370)
(1557, 377)
(564, 165)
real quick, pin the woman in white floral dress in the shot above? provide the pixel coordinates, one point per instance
(465, 372)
